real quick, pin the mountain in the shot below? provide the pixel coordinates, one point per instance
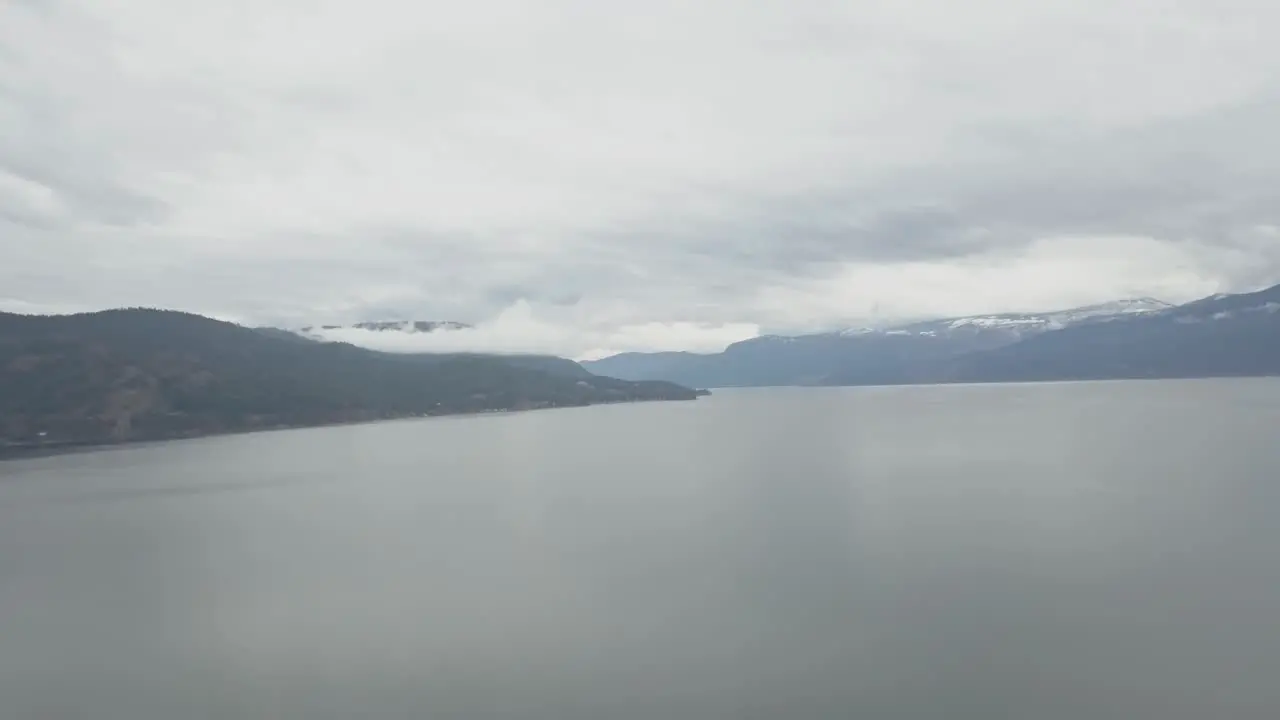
(857, 356)
(1221, 335)
(694, 367)
(1017, 326)
(549, 364)
(124, 375)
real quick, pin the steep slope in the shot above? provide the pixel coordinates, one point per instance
(145, 374)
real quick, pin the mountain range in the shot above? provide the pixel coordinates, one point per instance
(140, 374)
(1223, 335)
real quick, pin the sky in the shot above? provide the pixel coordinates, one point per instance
(592, 176)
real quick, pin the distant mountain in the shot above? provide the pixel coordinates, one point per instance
(990, 348)
(916, 352)
(1020, 325)
(779, 360)
(125, 375)
(1223, 335)
(693, 366)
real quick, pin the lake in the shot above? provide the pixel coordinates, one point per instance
(1056, 551)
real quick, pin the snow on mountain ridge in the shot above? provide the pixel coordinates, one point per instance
(1000, 321)
(1020, 322)
(1118, 307)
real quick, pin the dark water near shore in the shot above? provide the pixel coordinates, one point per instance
(1093, 550)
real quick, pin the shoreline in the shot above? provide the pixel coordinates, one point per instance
(10, 453)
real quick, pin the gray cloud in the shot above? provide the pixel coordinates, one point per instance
(693, 167)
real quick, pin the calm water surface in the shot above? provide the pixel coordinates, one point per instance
(1063, 551)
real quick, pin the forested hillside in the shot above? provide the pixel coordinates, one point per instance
(138, 374)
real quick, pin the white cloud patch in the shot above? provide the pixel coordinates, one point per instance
(519, 330)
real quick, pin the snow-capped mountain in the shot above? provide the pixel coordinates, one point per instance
(1111, 309)
(1142, 337)
(1022, 324)
(1219, 336)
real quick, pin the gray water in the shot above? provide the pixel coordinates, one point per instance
(1063, 551)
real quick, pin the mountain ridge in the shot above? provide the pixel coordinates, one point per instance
(1224, 335)
(932, 350)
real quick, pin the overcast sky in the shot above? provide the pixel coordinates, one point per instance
(582, 176)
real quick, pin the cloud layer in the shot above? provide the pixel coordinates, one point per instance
(578, 177)
(519, 330)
